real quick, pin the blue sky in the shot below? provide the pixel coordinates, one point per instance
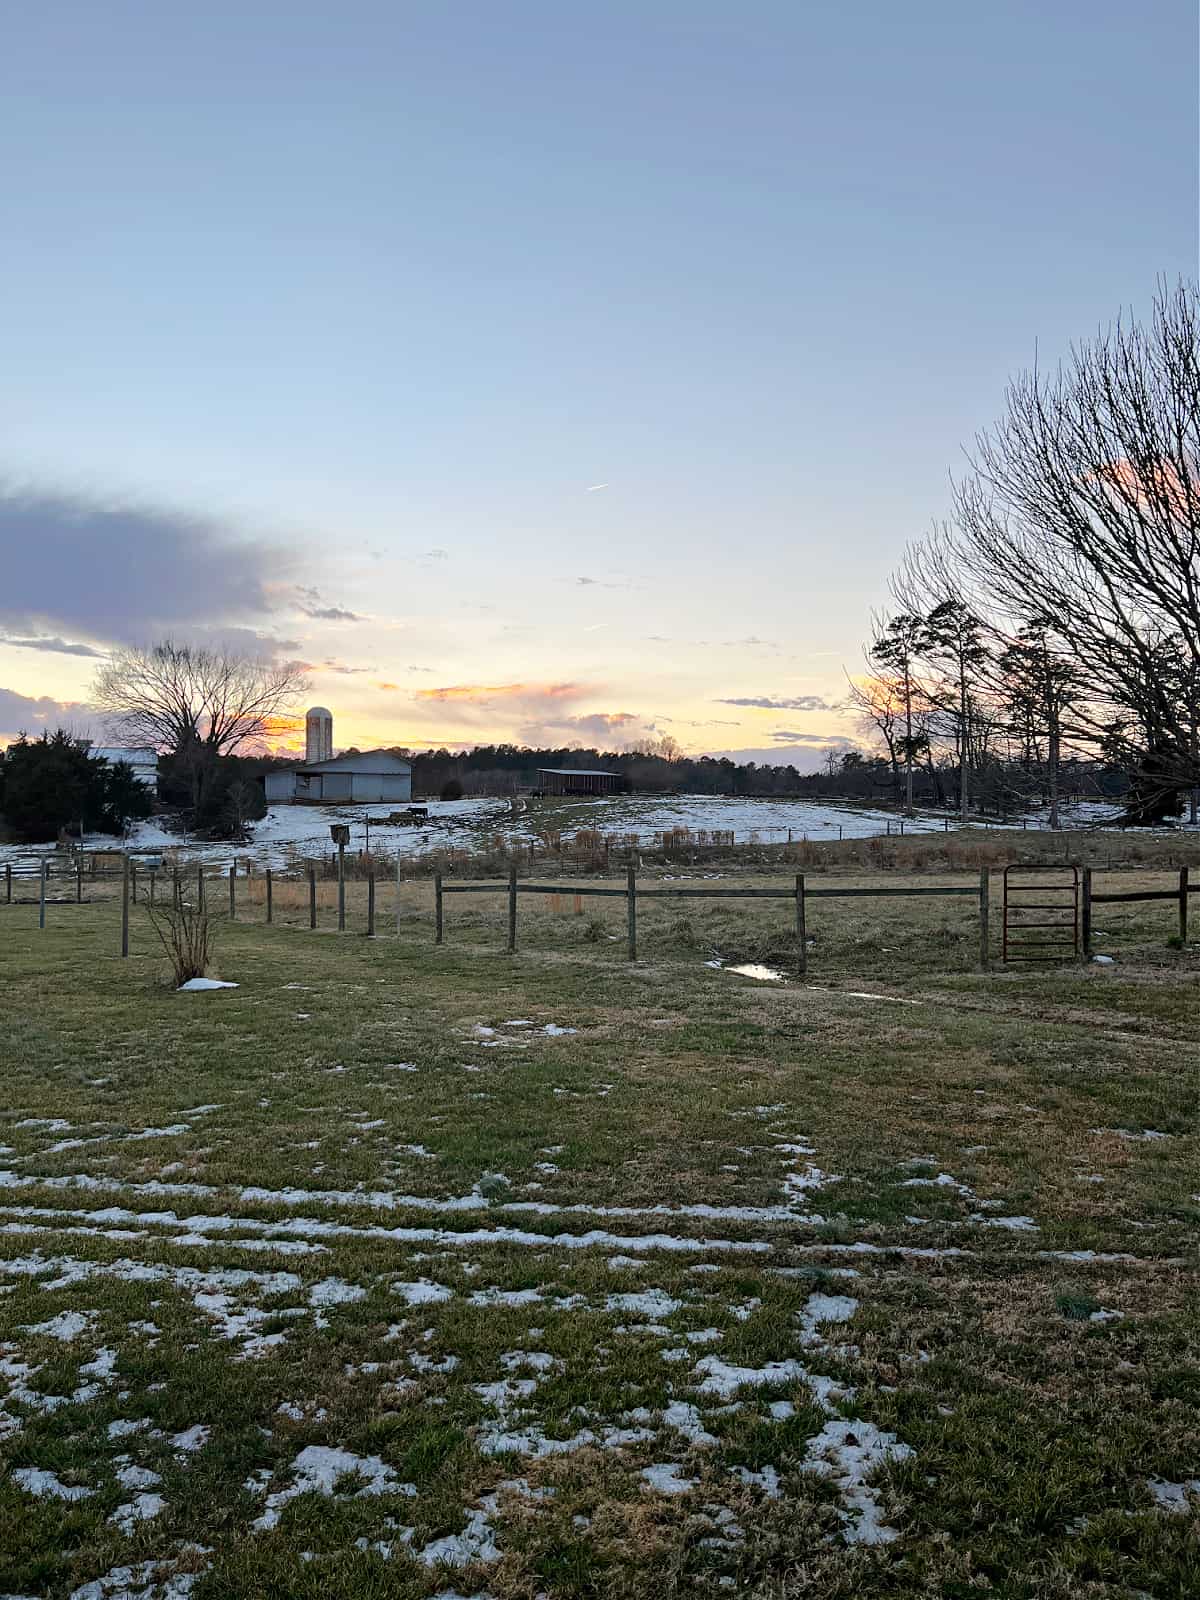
(356, 304)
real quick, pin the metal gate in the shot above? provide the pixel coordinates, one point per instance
(1041, 913)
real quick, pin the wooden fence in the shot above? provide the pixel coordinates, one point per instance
(799, 894)
(1090, 898)
(148, 883)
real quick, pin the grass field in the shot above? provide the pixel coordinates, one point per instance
(405, 1271)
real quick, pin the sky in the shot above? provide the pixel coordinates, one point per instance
(565, 373)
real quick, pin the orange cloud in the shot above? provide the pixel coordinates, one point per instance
(482, 693)
(387, 685)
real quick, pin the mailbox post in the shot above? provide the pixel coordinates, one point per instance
(339, 832)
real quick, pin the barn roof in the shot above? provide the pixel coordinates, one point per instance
(366, 761)
(579, 772)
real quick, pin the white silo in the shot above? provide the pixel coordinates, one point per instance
(318, 734)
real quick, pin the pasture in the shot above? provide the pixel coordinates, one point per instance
(411, 1271)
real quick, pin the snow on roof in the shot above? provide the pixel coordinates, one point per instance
(143, 755)
(579, 772)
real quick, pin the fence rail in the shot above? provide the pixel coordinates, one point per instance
(800, 894)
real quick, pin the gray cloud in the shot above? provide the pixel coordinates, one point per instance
(121, 571)
(331, 614)
(23, 713)
(800, 702)
(312, 603)
(58, 646)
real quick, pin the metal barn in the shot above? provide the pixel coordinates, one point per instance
(578, 780)
(365, 778)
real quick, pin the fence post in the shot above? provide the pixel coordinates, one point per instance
(270, 897)
(437, 907)
(512, 907)
(133, 881)
(125, 909)
(801, 930)
(177, 892)
(42, 893)
(200, 888)
(233, 891)
(985, 906)
(341, 888)
(1183, 903)
(631, 893)
(371, 903)
(8, 883)
(1086, 914)
(397, 891)
(79, 878)
(312, 897)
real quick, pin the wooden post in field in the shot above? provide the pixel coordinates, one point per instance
(512, 907)
(270, 897)
(371, 903)
(631, 907)
(341, 888)
(397, 891)
(985, 935)
(8, 883)
(125, 909)
(176, 891)
(1086, 914)
(79, 878)
(1183, 897)
(200, 888)
(42, 893)
(233, 891)
(801, 929)
(312, 897)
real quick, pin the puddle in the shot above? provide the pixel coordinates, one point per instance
(754, 969)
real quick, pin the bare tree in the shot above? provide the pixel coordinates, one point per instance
(1084, 507)
(879, 702)
(193, 703)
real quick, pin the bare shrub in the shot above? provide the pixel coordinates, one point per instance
(185, 932)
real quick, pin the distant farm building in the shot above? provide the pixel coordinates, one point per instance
(142, 758)
(578, 780)
(373, 776)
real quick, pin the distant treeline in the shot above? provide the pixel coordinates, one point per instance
(506, 769)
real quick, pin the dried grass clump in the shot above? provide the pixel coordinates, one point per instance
(186, 934)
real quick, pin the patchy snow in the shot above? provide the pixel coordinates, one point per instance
(821, 1308)
(849, 1453)
(1138, 1136)
(653, 1303)
(318, 1468)
(422, 1292)
(724, 1380)
(190, 1439)
(335, 1292)
(665, 1478)
(142, 1508)
(474, 1543)
(755, 969)
(1175, 1497)
(67, 1325)
(38, 1481)
(202, 985)
(149, 1580)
